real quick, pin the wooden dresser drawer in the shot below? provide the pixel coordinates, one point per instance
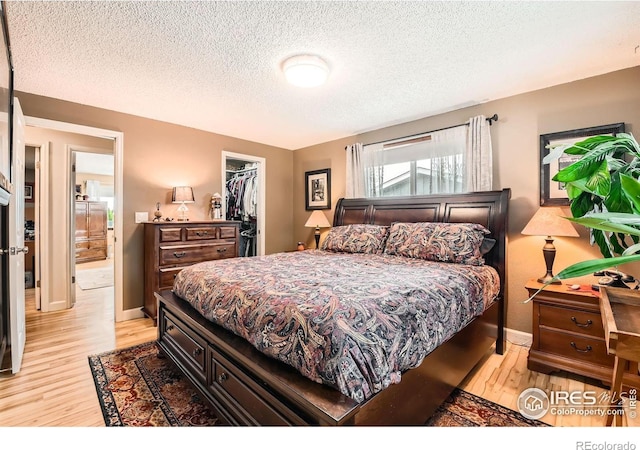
(173, 234)
(201, 233)
(167, 276)
(228, 232)
(190, 254)
(246, 398)
(573, 320)
(190, 347)
(575, 346)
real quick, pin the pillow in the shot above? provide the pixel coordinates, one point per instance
(434, 241)
(356, 238)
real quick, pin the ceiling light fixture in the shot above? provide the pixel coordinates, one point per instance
(305, 70)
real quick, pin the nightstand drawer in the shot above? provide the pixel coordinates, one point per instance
(167, 276)
(573, 320)
(575, 347)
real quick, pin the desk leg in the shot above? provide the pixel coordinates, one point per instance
(616, 390)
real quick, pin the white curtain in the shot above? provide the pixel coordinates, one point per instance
(478, 158)
(92, 189)
(355, 171)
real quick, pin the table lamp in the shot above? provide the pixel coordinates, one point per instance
(549, 221)
(182, 195)
(318, 220)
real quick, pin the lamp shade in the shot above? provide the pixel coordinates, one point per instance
(182, 194)
(317, 219)
(550, 221)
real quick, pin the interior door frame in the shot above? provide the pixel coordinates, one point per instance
(118, 153)
(262, 170)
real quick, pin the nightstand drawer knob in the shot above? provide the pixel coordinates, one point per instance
(581, 350)
(222, 378)
(179, 255)
(582, 325)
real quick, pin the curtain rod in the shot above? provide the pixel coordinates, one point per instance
(491, 119)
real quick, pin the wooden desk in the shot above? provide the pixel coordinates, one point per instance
(620, 309)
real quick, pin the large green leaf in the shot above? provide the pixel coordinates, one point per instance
(631, 189)
(586, 166)
(617, 200)
(581, 205)
(600, 180)
(594, 222)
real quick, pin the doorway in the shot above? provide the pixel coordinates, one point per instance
(244, 197)
(93, 199)
(57, 287)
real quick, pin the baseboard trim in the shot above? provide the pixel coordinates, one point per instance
(518, 337)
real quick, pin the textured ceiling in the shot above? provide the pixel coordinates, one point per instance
(215, 66)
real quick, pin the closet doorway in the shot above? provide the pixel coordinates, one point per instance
(243, 199)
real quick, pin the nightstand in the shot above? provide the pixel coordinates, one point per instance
(568, 333)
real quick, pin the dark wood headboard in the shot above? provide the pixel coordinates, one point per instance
(489, 209)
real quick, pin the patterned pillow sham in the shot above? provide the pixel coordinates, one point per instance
(356, 238)
(443, 242)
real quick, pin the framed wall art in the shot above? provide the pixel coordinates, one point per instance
(317, 189)
(28, 192)
(553, 193)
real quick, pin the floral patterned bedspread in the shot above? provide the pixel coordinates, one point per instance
(351, 321)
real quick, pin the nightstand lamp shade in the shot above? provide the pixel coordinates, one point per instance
(318, 220)
(550, 221)
(182, 195)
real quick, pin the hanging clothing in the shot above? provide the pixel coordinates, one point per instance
(242, 204)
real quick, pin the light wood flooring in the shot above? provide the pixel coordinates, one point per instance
(55, 388)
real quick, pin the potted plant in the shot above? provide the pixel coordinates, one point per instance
(603, 187)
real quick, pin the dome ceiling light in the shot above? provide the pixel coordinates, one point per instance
(305, 70)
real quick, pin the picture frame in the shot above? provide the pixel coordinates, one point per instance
(317, 189)
(552, 193)
(28, 192)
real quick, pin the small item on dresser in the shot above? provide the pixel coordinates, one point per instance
(157, 214)
(300, 245)
(574, 287)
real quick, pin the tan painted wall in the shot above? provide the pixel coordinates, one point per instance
(523, 118)
(158, 156)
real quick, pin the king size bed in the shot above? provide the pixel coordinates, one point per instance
(377, 327)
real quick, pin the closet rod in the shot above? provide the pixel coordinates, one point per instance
(491, 119)
(242, 170)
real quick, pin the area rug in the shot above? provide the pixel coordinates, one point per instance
(137, 388)
(87, 279)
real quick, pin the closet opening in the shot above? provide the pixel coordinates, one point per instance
(243, 200)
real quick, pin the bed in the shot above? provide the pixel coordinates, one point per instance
(359, 332)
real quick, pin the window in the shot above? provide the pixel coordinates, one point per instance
(428, 164)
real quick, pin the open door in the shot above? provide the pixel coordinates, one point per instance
(17, 248)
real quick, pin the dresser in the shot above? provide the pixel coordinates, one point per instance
(169, 247)
(91, 231)
(568, 333)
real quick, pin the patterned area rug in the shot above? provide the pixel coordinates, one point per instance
(136, 389)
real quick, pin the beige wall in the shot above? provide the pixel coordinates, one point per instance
(523, 118)
(158, 156)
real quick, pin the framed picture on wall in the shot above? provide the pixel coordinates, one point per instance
(317, 189)
(553, 193)
(28, 192)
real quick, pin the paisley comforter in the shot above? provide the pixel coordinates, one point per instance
(351, 321)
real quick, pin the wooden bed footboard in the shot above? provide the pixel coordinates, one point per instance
(246, 387)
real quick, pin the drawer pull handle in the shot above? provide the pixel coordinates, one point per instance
(582, 325)
(179, 255)
(222, 250)
(201, 233)
(170, 328)
(196, 352)
(581, 350)
(222, 378)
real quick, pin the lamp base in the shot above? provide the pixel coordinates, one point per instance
(547, 278)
